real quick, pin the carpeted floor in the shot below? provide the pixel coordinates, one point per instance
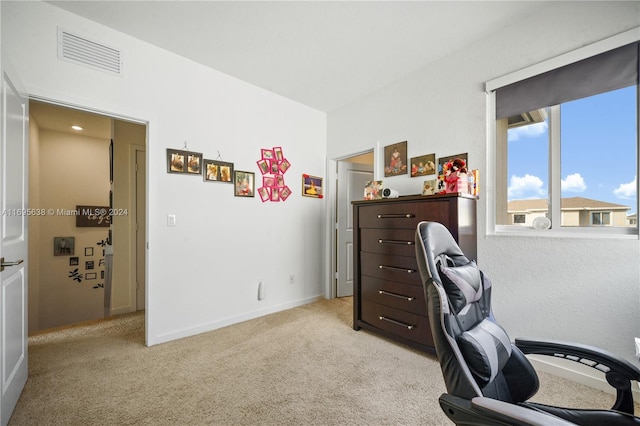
(303, 366)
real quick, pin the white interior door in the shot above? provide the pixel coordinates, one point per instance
(141, 173)
(352, 178)
(13, 245)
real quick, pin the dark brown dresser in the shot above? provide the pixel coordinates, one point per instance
(388, 297)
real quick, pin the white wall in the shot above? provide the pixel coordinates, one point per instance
(586, 290)
(203, 273)
(73, 170)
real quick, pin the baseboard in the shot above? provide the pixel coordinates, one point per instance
(203, 328)
(577, 373)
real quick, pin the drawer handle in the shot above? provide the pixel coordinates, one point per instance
(399, 296)
(397, 216)
(395, 268)
(401, 324)
(404, 243)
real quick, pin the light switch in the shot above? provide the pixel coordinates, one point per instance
(171, 220)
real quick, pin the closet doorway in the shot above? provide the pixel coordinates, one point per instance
(73, 174)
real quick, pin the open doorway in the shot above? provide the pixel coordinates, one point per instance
(74, 176)
(352, 175)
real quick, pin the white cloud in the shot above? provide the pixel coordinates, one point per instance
(527, 186)
(573, 183)
(626, 190)
(530, 131)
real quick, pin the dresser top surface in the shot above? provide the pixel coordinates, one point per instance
(416, 198)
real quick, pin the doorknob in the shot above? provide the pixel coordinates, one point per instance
(13, 263)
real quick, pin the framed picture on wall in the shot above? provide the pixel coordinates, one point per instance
(64, 246)
(184, 162)
(395, 159)
(217, 171)
(312, 186)
(244, 183)
(424, 165)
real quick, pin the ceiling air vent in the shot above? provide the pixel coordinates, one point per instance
(83, 51)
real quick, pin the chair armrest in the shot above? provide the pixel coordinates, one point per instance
(512, 414)
(618, 371)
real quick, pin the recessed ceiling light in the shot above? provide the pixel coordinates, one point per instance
(76, 127)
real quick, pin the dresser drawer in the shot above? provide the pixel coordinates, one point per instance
(402, 269)
(403, 215)
(401, 323)
(398, 295)
(389, 241)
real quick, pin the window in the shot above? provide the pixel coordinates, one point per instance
(566, 145)
(601, 218)
(519, 218)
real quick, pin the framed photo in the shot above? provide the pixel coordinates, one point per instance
(265, 193)
(312, 186)
(217, 171)
(73, 261)
(373, 190)
(274, 167)
(268, 181)
(267, 154)
(244, 183)
(430, 187)
(444, 160)
(284, 165)
(89, 264)
(64, 246)
(277, 153)
(285, 191)
(395, 159)
(264, 166)
(185, 162)
(424, 165)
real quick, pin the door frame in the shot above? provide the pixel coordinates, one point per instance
(129, 117)
(331, 249)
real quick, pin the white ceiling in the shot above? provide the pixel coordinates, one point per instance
(323, 54)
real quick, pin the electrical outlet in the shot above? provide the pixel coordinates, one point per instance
(292, 279)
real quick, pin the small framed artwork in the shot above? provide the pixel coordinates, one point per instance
(373, 190)
(194, 163)
(424, 165)
(430, 187)
(185, 162)
(267, 154)
(64, 246)
(73, 261)
(217, 171)
(283, 166)
(284, 193)
(275, 194)
(244, 183)
(268, 181)
(395, 158)
(88, 251)
(90, 276)
(274, 167)
(277, 152)
(312, 186)
(263, 165)
(265, 193)
(89, 264)
(451, 158)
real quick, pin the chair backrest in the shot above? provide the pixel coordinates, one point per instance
(472, 349)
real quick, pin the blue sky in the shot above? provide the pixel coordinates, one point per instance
(598, 151)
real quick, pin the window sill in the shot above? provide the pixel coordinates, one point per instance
(596, 233)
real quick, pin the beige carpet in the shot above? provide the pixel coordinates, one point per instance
(303, 366)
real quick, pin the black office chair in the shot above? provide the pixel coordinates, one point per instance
(488, 378)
